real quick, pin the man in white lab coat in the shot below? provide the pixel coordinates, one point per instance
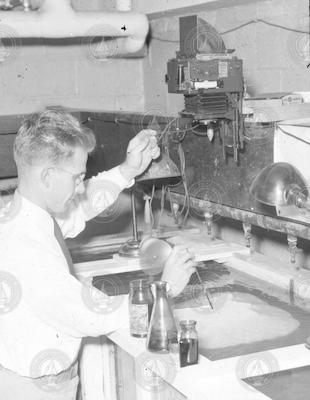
(45, 314)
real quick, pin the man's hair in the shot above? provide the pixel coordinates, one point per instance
(51, 135)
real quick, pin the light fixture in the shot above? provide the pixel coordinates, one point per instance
(280, 184)
(161, 171)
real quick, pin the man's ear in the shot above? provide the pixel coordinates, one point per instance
(46, 176)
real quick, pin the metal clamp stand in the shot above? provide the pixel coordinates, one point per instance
(131, 248)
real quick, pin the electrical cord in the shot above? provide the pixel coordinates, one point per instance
(151, 209)
(164, 40)
(162, 134)
(186, 201)
(290, 134)
(162, 204)
(122, 121)
(253, 21)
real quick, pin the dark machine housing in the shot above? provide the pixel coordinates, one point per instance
(211, 80)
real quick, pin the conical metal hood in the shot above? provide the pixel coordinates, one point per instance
(275, 184)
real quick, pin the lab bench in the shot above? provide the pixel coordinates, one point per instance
(119, 366)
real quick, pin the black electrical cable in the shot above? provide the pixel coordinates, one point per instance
(290, 134)
(253, 21)
(120, 121)
(164, 40)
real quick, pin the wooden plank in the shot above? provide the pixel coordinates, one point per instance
(119, 238)
(170, 8)
(264, 268)
(204, 247)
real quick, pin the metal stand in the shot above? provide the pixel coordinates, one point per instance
(131, 249)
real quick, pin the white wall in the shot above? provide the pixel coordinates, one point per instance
(52, 72)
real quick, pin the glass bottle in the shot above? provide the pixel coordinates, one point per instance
(188, 343)
(140, 307)
(162, 333)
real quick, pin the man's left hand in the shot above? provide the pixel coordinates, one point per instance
(142, 149)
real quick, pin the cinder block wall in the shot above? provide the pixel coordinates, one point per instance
(42, 72)
(274, 59)
(46, 75)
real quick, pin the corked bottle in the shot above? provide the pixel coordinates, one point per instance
(140, 307)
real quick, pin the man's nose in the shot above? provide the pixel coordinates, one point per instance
(80, 189)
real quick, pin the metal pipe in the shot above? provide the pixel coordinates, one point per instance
(134, 216)
(279, 225)
(57, 19)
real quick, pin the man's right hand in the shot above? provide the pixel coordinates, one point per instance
(142, 149)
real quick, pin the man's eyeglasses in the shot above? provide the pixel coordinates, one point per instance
(78, 178)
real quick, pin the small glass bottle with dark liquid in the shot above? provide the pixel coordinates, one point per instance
(188, 343)
(140, 307)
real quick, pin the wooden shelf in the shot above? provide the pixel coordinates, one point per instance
(168, 8)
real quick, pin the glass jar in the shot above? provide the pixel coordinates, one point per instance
(188, 343)
(140, 307)
(162, 335)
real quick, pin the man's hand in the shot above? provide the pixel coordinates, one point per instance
(142, 149)
(178, 269)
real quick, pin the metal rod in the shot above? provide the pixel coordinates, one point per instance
(134, 216)
(204, 288)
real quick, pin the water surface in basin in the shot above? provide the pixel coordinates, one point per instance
(249, 315)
